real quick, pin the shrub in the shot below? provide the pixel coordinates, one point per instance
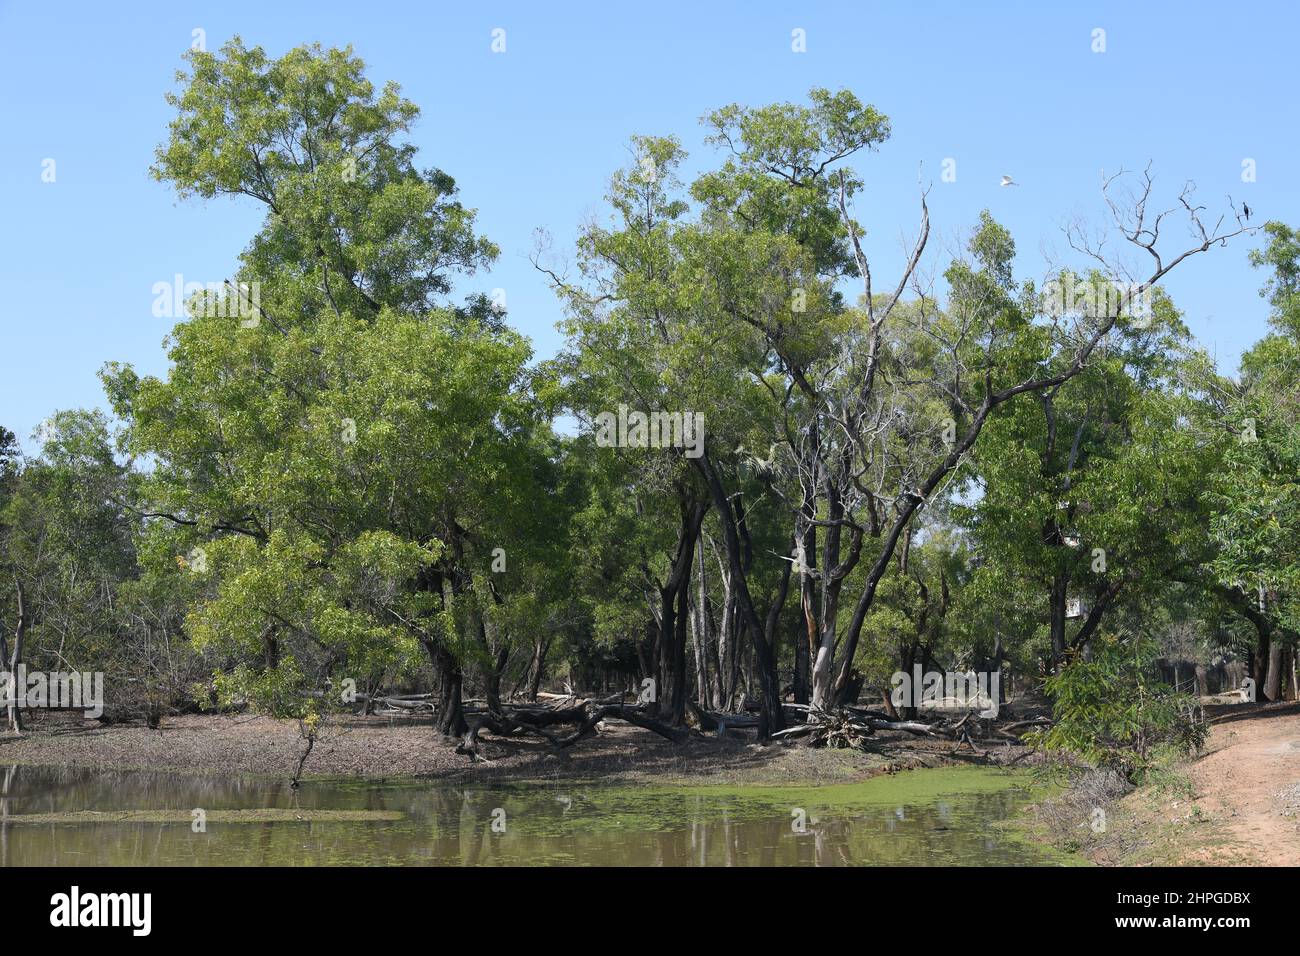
(1112, 711)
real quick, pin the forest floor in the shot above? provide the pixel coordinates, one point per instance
(375, 747)
(1238, 804)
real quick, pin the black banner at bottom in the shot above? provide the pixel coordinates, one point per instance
(330, 905)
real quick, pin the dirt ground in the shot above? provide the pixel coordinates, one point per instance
(1238, 805)
(1250, 779)
(376, 747)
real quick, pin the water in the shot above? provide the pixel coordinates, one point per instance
(927, 817)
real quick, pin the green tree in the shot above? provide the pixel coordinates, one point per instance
(336, 457)
(1255, 493)
(1091, 495)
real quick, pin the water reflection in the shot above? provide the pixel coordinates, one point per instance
(501, 825)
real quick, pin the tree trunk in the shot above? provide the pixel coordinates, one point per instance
(670, 694)
(706, 651)
(739, 643)
(726, 670)
(450, 716)
(771, 715)
(1272, 685)
(492, 679)
(16, 658)
(270, 648)
(699, 656)
(1057, 597)
(805, 639)
(538, 666)
(1295, 676)
(1259, 659)
(1102, 603)
(823, 674)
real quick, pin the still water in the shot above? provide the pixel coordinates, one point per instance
(926, 817)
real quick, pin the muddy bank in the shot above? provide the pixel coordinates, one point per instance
(375, 747)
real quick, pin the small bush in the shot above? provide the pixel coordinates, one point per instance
(1113, 712)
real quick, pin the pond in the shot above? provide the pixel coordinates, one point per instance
(56, 816)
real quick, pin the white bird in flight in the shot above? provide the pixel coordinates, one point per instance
(1008, 181)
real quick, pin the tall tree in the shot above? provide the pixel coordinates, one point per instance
(330, 449)
(1256, 494)
(1090, 495)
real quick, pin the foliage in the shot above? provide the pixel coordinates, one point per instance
(1110, 711)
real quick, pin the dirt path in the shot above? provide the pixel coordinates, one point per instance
(1250, 784)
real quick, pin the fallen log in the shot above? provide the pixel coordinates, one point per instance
(872, 714)
(798, 730)
(397, 702)
(1035, 722)
(546, 695)
(549, 718)
(911, 726)
(711, 720)
(588, 716)
(849, 728)
(631, 715)
(501, 726)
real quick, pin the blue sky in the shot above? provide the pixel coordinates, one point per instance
(532, 135)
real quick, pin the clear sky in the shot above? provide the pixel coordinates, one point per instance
(532, 134)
